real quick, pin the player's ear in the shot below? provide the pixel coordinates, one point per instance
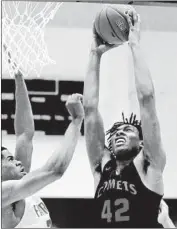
(141, 144)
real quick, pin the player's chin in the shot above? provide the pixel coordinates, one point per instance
(123, 153)
(121, 149)
(21, 175)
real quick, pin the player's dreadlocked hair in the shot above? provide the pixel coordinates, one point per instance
(132, 121)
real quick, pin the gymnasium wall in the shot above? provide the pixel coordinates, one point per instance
(70, 48)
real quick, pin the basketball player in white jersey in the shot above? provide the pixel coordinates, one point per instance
(20, 209)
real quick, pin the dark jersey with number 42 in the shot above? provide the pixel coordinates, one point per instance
(122, 200)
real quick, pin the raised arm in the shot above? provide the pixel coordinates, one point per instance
(23, 123)
(153, 150)
(55, 167)
(94, 129)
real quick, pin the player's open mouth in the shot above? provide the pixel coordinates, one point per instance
(22, 170)
(120, 141)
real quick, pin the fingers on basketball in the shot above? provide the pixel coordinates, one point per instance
(132, 17)
(96, 36)
(129, 18)
(136, 19)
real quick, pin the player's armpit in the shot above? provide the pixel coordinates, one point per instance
(15, 190)
(153, 149)
(150, 177)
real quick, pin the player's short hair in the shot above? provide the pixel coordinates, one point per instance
(131, 121)
(2, 148)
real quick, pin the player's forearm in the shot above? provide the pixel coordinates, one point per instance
(24, 123)
(143, 81)
(91, 83)
(61, 158)
(167, 223)
(15, 190)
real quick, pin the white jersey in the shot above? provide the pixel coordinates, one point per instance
(35, 215)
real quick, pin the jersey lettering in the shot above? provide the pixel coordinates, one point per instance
(119, 212)
(40, 209)
(106, 212)
(121, 206)
(119, 185)
(43, 207)
(120, 199)
(49, 223)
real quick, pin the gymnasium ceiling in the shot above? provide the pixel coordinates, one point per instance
(81, 15)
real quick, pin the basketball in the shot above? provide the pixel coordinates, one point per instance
(111, 25)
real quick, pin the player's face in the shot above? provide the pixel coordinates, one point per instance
(125, 142)
(11, 168)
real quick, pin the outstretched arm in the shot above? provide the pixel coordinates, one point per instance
(153, 150)
(94, 129)
(23, 123)
(55, 167)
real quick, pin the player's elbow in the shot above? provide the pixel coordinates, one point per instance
(146, 96)
(28, 134)
(57, 170)
(30, 131)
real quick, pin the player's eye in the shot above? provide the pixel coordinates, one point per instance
(128, 129)
(10, 158)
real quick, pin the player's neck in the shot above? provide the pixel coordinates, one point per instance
(121, 165)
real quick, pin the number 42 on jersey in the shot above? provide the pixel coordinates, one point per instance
(121, 208)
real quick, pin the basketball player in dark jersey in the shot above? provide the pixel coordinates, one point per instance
(128, 174)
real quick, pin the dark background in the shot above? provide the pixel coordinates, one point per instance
(79, 213)
(53, 105)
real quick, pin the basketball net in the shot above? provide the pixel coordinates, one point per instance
(23, 36)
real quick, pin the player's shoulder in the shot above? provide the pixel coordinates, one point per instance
(100, 167)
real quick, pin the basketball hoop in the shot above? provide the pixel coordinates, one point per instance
(23, 25)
